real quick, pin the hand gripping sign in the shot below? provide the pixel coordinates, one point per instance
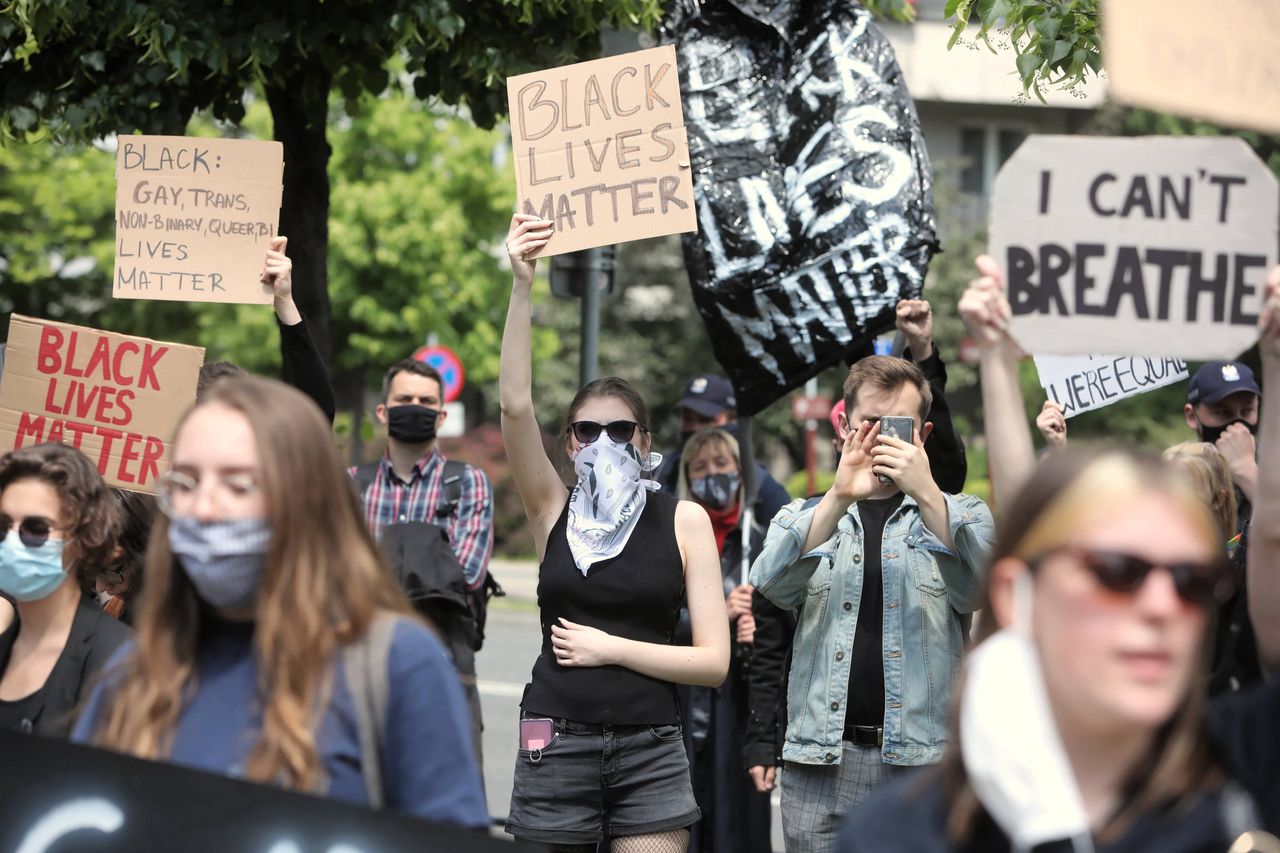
(116, 398)
(1148, 246)
(601, 150)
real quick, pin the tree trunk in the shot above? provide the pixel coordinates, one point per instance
(299, 108)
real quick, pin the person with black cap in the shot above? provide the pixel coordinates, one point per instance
(1222, 407)
(709, 401)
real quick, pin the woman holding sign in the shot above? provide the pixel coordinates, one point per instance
(601, 755)
(60, 526)
(1083, 722)
(272, 643)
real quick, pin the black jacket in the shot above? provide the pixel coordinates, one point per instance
(944, 448)
(94, 638)
(303, 368)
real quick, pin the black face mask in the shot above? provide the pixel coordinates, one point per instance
(1211, 434)
(412, 424)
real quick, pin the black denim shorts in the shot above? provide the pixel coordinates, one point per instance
(594, 782)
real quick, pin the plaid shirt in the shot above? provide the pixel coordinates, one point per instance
(390, 500)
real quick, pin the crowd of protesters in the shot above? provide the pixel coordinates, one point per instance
(1085, 670)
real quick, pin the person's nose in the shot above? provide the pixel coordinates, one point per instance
(204, 501)
(1158, 596)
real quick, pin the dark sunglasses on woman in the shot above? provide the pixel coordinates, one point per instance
(33, 531)
(1199, 584)
(618, 431)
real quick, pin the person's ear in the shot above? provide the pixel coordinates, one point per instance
(442, 417)
(925, 431)
(380, 412)
(1001, 577)
(1189, 414)
(845, 429)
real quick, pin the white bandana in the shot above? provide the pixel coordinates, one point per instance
(607, 500)
(1010, 745)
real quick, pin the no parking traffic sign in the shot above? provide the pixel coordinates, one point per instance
(447, 363)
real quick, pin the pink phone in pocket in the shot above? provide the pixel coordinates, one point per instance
(537, 734)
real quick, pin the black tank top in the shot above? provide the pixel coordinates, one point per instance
(636, 595)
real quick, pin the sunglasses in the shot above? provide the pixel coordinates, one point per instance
(1199, 584)
(33, 531)
(619, 431)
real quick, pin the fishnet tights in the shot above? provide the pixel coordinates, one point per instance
(673, 841)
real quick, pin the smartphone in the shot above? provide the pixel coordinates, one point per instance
(537, 733)
(900, 428)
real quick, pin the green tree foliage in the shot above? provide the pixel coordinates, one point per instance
(1056, 42)
(84, 69)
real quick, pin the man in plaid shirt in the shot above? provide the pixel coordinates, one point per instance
(409, 483)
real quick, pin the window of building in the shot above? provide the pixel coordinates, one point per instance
(984, 149)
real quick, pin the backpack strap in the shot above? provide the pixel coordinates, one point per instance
(364, 476)
(453, 473)
(365, 664)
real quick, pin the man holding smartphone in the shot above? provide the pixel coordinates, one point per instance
(885, 564)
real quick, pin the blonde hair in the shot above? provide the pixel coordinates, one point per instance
(323, 585)
(1070, 492)
(1211, 476)
(698, 442)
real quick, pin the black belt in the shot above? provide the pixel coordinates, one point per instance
(864, 735)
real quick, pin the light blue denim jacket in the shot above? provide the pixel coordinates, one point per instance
(926, 587)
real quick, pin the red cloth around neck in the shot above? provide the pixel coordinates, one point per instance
(723, 522)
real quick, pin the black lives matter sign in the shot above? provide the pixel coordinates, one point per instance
(601, 150)
(1148, 246)
(195, 217)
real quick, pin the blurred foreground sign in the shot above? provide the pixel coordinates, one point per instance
(195, 217)
(94, 800)
(601, 150)
(115, 398)
(1217, 61)
(1151, 246)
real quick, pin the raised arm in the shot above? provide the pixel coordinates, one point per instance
(301, 364)
(1264, 535)
(541, 490)
(986, 312)
(706, 662)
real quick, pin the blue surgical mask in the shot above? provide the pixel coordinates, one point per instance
(30, 574)
(225, 560)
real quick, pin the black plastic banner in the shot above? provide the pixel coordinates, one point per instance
(61, 797)
(813, 187)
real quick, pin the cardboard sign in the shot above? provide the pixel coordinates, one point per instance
(116, 398)
(92, 800)
(601, 150)
(1217, 61)
(1148, 246)
(195, 217)
(1084, 383)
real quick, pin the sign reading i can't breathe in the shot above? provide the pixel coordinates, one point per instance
(601, 150)
(1148, 246)
(195, 217)
(115, 398)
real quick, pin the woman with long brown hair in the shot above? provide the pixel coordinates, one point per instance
(59, 525)
(1083, 722)
(261, 581)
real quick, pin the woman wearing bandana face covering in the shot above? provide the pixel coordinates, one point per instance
(265, 594)
(1083, 722)
(59, 526)
(618, 561)
(735, 816)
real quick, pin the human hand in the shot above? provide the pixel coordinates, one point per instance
(277, 271)
(854, 479)
(746, 632)
(1269, 321)
(527, 234)
(1239, 449)
(579, 645)
(739, 601)
(763, 777)
(1052, 423)
(984, 306)
(906, 464)
(915, 322)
